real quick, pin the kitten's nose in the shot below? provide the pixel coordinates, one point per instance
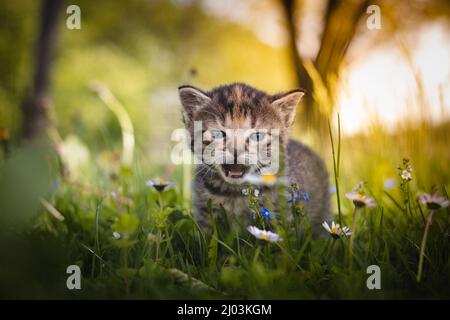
(233, 148)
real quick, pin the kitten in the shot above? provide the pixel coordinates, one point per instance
(258, 115)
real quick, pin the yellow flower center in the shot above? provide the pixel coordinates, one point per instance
(335, 230)
(268, 178)
(265, 236)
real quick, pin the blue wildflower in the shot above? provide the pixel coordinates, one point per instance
(389, 184)
(305, 196)
(293, 196)
(266, 213)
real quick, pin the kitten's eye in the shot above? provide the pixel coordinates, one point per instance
(217, 134)
(257, 136)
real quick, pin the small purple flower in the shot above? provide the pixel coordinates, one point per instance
(293, 196)
(389, 184)
(266, 213)
(305, 196)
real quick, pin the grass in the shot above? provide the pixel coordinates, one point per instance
(131, 241)
(162, 252)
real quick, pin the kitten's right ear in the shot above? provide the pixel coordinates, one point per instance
(192, 99)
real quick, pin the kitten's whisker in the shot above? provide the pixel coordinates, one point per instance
(197, 172)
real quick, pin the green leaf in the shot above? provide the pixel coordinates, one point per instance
(126, 225)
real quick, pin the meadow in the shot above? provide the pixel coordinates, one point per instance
(85, 188)
(133, 241)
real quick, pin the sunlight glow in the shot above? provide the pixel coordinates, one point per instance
(381, 86)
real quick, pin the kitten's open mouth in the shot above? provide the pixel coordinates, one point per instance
(234, 171)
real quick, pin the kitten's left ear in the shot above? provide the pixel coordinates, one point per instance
(286, 104)
(192, 100)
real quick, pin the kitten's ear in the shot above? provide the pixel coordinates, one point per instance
(286, 104)
(192, 100)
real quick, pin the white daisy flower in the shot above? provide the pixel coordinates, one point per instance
(116, 235)
(360, 200)
(265, 179)
(335, 230)
(406, 175)
(434, 201)
(263, 234)
(159, 184)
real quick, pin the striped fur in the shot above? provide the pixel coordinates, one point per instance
(239, 106)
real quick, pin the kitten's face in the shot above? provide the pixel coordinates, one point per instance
(241, 128)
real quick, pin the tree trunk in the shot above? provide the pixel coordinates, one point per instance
(36, 102)
(340, 23)
(303, 80)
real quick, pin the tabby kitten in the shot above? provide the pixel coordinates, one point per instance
(239, 112)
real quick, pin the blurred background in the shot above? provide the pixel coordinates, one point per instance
(106, 94)
(143, 50)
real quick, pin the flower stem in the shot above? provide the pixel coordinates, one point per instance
(294, 216)
(353, 229)
(160, 200)
(336, 161)
(423, 245)
(158, 241)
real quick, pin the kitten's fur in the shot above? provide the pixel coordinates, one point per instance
(241, 106)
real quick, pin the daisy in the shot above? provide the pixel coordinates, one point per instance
(263, 234)
(406, 175)
(265, 179)
(434, 201)
(336, 231)
(360, 200)
(159, 184)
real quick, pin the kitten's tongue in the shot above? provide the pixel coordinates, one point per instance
(234, 170)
